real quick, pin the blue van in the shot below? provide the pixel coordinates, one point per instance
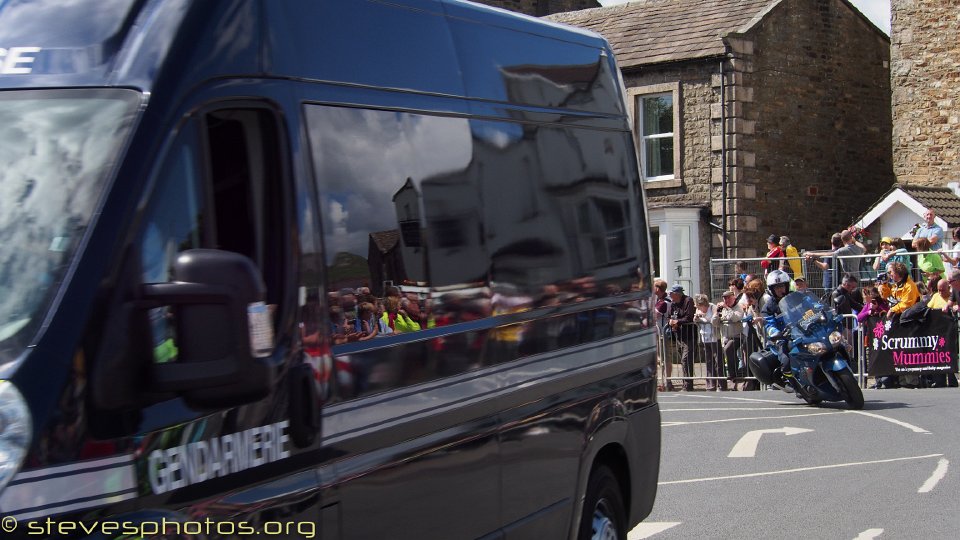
(319, 269)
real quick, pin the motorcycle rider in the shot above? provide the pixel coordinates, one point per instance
(778, 286)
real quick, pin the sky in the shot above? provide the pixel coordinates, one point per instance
(877, 11)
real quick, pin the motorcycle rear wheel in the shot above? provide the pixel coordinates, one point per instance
(851, 390)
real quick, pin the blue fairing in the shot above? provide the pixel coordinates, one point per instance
(838, 364)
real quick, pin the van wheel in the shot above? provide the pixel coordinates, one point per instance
(603, 517)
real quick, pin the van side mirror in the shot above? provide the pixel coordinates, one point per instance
(214, 298)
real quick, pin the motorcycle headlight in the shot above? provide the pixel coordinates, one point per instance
(816, 348)
(836, 338)
(15, 430)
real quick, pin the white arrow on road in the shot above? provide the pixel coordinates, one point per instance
(747, 445)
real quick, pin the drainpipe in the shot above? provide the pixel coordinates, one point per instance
(723, 158)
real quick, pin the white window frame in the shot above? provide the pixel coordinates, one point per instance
(636, 96)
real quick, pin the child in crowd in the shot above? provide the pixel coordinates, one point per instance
(874, 311)
(873, 304)
(929, 263)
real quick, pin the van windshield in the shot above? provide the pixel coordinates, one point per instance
(57, 148)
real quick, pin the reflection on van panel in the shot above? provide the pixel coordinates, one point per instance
(320, 269)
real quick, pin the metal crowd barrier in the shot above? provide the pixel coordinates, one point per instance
(707, 363)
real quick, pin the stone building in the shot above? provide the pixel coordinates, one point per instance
(801, 90)
(539, 8)
(925, 73)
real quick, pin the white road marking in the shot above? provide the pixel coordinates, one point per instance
(726, 409)
(731, 398)
(869, 534)
(646, 530)
(937, 476)
(900, 423)
(692, 422)
(802, 469)
(911, 427)
(747, 445)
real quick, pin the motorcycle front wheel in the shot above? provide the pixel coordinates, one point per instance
(851, 390)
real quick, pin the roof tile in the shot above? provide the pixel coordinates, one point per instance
(942, 200)
(653, 31)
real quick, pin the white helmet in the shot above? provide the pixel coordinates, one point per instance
(777, 277)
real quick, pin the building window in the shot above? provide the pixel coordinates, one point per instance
(656, 111)
(656, 135)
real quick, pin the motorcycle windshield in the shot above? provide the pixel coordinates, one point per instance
(801, 309)
(57, 149)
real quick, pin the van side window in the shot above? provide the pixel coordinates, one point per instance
(434, 221)
(219, 188)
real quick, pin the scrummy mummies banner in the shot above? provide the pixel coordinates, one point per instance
(930, 345)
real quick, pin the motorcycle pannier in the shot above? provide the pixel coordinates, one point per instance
(763, 365)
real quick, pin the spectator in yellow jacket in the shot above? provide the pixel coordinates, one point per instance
(395, 317)
(900, 290)
(793, 257)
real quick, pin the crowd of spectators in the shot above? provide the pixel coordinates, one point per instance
(727, 331)
(870, 290)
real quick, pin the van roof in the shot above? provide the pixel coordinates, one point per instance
(446, 47)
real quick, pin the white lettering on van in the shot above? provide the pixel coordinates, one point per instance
(17, 60)
(192, 463)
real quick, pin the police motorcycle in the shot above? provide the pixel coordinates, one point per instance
(819, 355)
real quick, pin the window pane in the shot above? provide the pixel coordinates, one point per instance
(658, 156)
(657, 115)
(172, 225)
(380, 175)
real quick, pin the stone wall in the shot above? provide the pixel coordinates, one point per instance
(925, 76)
(539, 8)
(810, 138)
